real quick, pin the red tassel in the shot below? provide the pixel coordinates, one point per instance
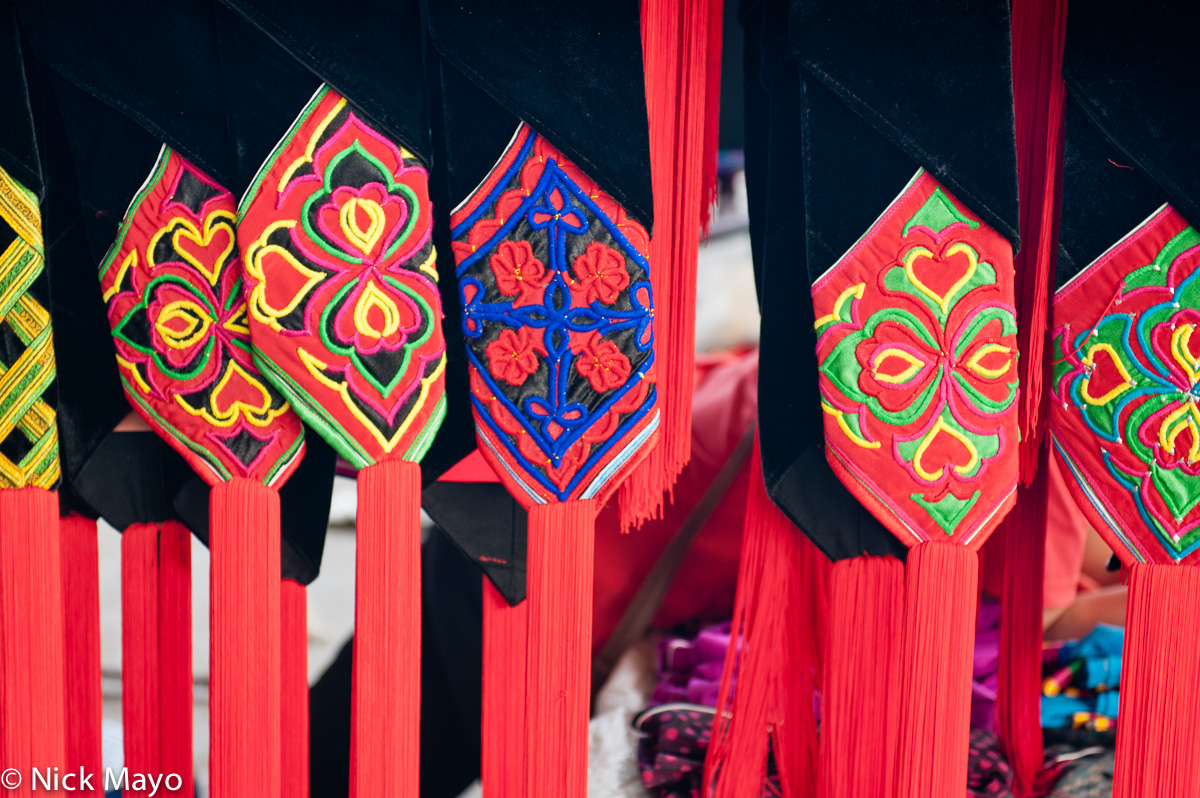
(505, 639)
(559, 595)
(156, 651)
(860, 710)
(940, 597)
(675, 40)
(712, 116)
(1158, 750)
(774, 655)
(386, 698)
(244, 669)
(175, 653)
(140, 671)
(81, 647)
(32, 729)
(293, 674)
(1018, 699)
(1038, 35)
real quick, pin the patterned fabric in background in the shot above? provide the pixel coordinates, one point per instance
(988, 773)
(689, 668)
(671, 752)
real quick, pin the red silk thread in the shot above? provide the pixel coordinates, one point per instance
(859, 715)
(1038, 37)
(937, 651)
(386, 691)
(176, 693)
(675, 40)
(775, 656)
(84, 700)
(293, 675)
(140, 671)
(505, 640)
(559, 595)
(1158, 751)
(244, 667)
(32, 729)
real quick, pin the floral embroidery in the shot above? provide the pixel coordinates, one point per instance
(340, 274)
(173, 284)
(917, 351)
(513, 356)
(558, 317)
(1125, 385)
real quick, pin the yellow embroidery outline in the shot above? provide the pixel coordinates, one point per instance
(174, 338)
(943, 301)
(1173, 426)
(974, 364)
(258, 416)
(259, 307)
(884, 353)
(855, 291)
(1089, 363)
(840, 417)
(312, 145)
(317, 369)
(927, 441)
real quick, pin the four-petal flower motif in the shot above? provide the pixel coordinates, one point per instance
(917, 353)
(1126, 383)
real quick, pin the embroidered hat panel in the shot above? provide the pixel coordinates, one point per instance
(172, 283)
(341, 277)
(916, 345)
(558, 316)
(1125, 382)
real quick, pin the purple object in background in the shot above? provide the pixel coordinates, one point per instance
(689, 669)
(986, 670)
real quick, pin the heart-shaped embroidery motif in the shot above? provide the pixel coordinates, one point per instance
(935, 283)
(207, 250)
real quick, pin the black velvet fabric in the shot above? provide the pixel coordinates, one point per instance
(1133, 71)
(369, 51)
(489, 529)
(798, 477)
(934, 78)
(1103, 197)
(1131, 140)
(155, 62)
(573, 73)
(18, 145)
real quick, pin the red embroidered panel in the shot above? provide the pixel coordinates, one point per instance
(1125, 384)
(916, 341)
(173, 284)
(558, 316)
(342, 283)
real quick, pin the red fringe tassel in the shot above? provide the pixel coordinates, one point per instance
(712, 116)
(860, 711)
(940, 598)
(1018, 699)
(1038, 34)
(293, 674)
(32, 729)
(557, 690)
(775, 657)
(140, 671)
(675, 41)
(156, 641)
(245, 668)
(386, 692)
(1158, 750)
(505, 638)
(81, 647)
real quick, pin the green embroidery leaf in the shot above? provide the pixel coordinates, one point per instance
(948, 511)
(937, 214)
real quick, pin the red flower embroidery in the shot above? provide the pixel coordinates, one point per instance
(602, 363)
(601, 273)
(517, 270)
(512, 357)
